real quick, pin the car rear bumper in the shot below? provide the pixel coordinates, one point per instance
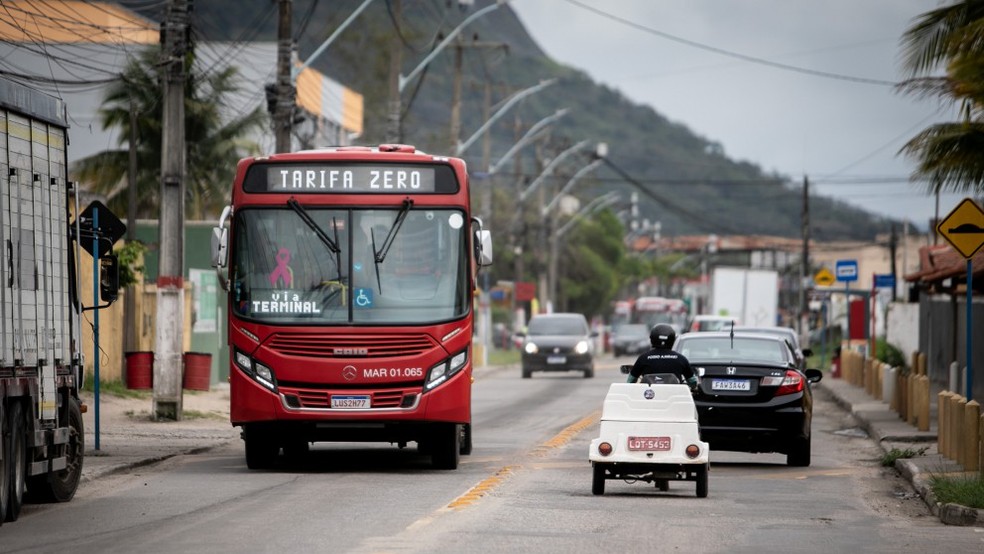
(753, 429)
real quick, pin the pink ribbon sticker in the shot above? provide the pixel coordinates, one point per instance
(282, 271)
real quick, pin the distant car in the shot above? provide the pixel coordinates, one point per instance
(630, 338)
(558, 342)
(789, 334)
(752, 395)
(712, 323)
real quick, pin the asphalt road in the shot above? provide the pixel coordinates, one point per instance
(526, 488)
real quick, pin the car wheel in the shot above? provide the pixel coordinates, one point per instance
(527, 373)
(598, 480)
(799, 456)
(702, 476)
(588, 373)
(261, 449)
(4, 466)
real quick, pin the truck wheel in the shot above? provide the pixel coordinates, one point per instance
(4, 469)
(663, 485)
(466, 439)
(598, 480)
(60, 486)
(261, 449)
(702, 481)
(799, 456)
(447, 446)
(18, 462)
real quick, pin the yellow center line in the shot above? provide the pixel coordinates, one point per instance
(489, 484)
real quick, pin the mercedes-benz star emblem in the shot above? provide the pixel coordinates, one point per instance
(349, 372)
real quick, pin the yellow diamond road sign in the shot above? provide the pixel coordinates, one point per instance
(963, 228)
(824, 277)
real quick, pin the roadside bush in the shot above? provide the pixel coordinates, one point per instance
(966, 491)
(889, 353)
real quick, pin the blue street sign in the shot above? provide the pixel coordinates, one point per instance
(886, 281)
(846, 270)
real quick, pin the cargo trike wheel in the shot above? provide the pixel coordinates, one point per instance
(598, 480)
(702, 481)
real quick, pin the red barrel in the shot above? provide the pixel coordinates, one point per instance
(197, 370)
(139, 370)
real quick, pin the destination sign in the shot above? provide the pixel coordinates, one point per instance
(350, 179)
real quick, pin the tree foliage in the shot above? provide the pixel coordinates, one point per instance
(215, 141)
(949, 38)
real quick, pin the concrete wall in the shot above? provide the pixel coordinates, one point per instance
(902, 327)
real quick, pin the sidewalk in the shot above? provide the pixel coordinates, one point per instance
(888, 430)
(129, 437)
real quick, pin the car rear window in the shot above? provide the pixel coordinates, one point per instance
(558, 326)
(726, 349)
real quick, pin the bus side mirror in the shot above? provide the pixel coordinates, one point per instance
(109, 278)
(220, 246)
(484, 240)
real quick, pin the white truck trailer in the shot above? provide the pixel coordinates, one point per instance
(42, 444)
(749, 295)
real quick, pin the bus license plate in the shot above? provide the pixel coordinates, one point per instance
(350, 401)
(649, 443)
(556, 359)
(731, 384)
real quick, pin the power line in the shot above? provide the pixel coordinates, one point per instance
(723, 52)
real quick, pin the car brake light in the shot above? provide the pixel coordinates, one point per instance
(792, 383)
(605, 448)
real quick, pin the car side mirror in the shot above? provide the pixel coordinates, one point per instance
(814, 375)
(807, 352)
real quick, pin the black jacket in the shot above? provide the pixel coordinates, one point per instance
(662, 361)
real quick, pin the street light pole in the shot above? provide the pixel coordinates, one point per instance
(512, 101)
(532, 133)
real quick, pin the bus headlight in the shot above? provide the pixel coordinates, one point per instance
(259, 372)
(445, 370)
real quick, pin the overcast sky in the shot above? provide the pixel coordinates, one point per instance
(844, 134)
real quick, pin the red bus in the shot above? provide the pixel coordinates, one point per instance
(350, 273)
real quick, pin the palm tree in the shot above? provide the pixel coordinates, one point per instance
(951, 37)
(213, 145)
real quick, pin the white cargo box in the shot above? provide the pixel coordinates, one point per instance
(649, 403)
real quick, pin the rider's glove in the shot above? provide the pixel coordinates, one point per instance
(692, 382)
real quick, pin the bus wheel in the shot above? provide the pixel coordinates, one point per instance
(4, 466)
(447, 446)
(18, 461)
(261, 449)
(466, 439)
(61, 485)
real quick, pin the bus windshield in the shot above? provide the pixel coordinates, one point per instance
(316, 265)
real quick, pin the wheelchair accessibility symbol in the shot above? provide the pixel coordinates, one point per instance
(363, 298)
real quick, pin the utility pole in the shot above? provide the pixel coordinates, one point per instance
(129, 302)
(805, 273)
(170, 279)
(283, 114)
(892, 247)
(459, 48)
(394, 127)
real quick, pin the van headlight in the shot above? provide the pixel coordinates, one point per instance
(443, 371)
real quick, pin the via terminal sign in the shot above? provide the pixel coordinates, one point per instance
(963, 228)
(846, 270)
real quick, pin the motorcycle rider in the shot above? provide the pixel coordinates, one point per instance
(662, 358)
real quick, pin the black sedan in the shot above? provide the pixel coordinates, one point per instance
(752, 397)
(558, 342)
(630, 338)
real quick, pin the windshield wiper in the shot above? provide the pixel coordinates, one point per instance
(321, 234)
(302, 213)
(380, 255)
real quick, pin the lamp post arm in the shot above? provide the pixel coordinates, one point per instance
(324, 45)
(512, 101)
(447, 39)
(530, 134)
(570, 184)
(549, 169)
(593, 206)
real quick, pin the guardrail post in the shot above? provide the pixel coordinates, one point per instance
(904, 396)
(943, 423)
(924, 396)
(972, 415)
(910, 410)
(956, 423)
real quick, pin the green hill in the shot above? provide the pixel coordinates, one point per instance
(683, 181)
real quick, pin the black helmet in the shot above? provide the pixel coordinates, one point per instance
(662, 336)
